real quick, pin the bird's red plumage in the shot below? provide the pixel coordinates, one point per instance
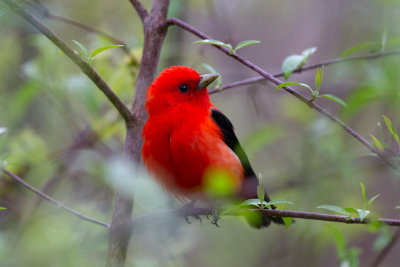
(181, 140)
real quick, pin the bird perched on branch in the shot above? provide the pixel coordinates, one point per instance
(190, 146)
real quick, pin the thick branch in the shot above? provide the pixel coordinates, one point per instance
(84, 66)
(154, 34)
(305, 68)
(52, 200)
(270, 77)
(140, 9)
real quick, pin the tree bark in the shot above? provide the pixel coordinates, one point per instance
(154, 31)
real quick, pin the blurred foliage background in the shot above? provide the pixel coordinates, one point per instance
(59, 133)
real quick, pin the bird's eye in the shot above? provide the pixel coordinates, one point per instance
(183, 88)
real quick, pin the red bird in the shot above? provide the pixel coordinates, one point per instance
(186, 138)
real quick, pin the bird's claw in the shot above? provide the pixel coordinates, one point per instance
(187, 219)
(189, 207)
(215, 216)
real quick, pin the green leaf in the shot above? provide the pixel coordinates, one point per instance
(364, 196)
(102, 49)
(84, 52)
(334, 209)
(391, 129)
(350, 210)
(382, 241)
(290, 64)
(278, 202)
(377, 143)
(252, 202)
(318, 77)
(358, 47)
(363, 213)
(288, 221)
(334, 98)
(372, 200)
(218, 183)
(245, 43)
(232, 209)
(294, 83)
(2, 208)
(293, 62)
(308, 52)
(257, 203)
(348, 257)
(375, 225)
(397, 207)
(215, 42)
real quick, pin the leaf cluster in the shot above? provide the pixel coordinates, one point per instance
(84, 52)
(227, 45)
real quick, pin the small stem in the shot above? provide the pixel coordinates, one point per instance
(52, 200)
(140, 9)
(306, 68)
(93, 30)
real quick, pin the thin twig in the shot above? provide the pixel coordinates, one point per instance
(47, 15)
(140, 9)
(83, 65)
(305, 68)
(195, 212)
(384, 252)
(52, 200)
(270, 77)
(87, 28)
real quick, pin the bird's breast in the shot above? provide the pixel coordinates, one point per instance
(179, 151)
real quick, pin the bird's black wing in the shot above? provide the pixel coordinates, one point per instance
(230, 139)
(250, 183)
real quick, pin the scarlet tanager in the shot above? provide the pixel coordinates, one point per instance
(186, 138)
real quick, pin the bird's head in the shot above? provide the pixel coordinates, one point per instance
(178, 85)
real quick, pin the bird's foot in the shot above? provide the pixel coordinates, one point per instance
(188, 210)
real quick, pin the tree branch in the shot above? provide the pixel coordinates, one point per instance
(194, 212)
(87, 28)
(270, 77)
(305, 68)
(154, 34)
(52, 200)
(140, 9)
(84, 66)
(47, 15)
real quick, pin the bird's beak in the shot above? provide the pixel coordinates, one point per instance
(206, 80)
